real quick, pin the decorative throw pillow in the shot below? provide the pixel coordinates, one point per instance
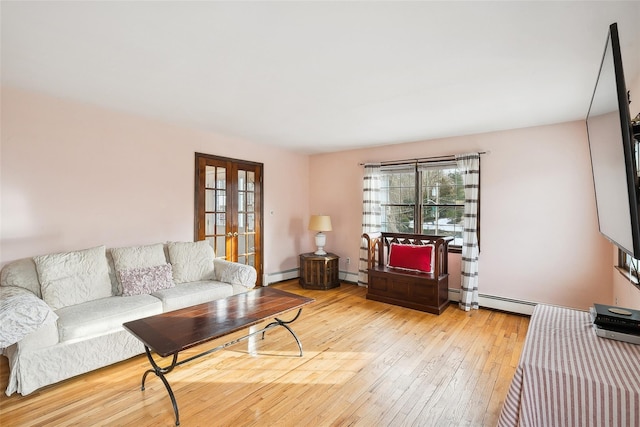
(411, 257)
(191, 261)
(145, 280)
(72, 278)
(137, 257)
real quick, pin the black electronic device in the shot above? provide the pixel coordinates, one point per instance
(617, 319)
(617, 335)
(613, 156)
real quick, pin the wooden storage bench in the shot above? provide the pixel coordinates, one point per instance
(412, 289)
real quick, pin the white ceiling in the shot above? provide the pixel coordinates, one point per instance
(321, 76)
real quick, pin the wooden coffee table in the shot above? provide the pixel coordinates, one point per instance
(169, 333)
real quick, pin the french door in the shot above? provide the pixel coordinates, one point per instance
(228, 208)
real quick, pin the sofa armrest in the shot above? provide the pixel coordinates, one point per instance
(234, 273)
(21, 313)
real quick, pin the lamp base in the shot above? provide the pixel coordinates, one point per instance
(321, 239)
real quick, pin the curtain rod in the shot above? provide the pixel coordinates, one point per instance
(419, 160)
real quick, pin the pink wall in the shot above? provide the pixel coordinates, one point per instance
(539, 232)
(75, 176)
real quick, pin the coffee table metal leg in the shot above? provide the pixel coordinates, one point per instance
(284, 324)
(160, 372)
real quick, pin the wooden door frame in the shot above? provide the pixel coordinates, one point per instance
(259, 200)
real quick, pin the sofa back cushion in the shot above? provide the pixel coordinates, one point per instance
(191, 261)
(72, 278)
(21, 273)
(131, 257)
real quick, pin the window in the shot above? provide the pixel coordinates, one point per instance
(426, 198)
(629, 265)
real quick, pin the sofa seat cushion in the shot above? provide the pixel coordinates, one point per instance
(104, 316)
(188, 294)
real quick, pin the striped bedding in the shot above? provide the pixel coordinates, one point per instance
(568, 376)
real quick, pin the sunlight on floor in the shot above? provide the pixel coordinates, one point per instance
(314, 368)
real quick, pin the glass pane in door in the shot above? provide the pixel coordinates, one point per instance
(246, 217)
(210, 223)
(215, 208)
(209, 200)
(242, 244)
(251, 243)
(251, 222)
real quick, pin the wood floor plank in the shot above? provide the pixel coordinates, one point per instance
(365, 363)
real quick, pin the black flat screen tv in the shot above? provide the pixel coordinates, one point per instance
(613, 154)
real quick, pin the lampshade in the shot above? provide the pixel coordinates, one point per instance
(320, 223)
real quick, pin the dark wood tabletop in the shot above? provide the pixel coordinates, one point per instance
(174, 331)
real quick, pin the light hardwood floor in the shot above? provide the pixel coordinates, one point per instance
(365, 363)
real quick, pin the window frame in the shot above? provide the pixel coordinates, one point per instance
(417, 169)
(628, 269)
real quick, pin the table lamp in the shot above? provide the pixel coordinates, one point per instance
(320, 223)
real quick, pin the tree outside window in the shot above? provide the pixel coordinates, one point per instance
(423, 199)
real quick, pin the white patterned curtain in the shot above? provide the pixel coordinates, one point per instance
(371, 217)
(469, 166)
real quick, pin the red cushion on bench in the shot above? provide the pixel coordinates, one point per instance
(411, 257)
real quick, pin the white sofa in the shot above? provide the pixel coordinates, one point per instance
(61, 315)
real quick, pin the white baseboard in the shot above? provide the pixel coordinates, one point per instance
(349, 276)
(294, 273)
(498, 303)
(280, 276)
(487, 301)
